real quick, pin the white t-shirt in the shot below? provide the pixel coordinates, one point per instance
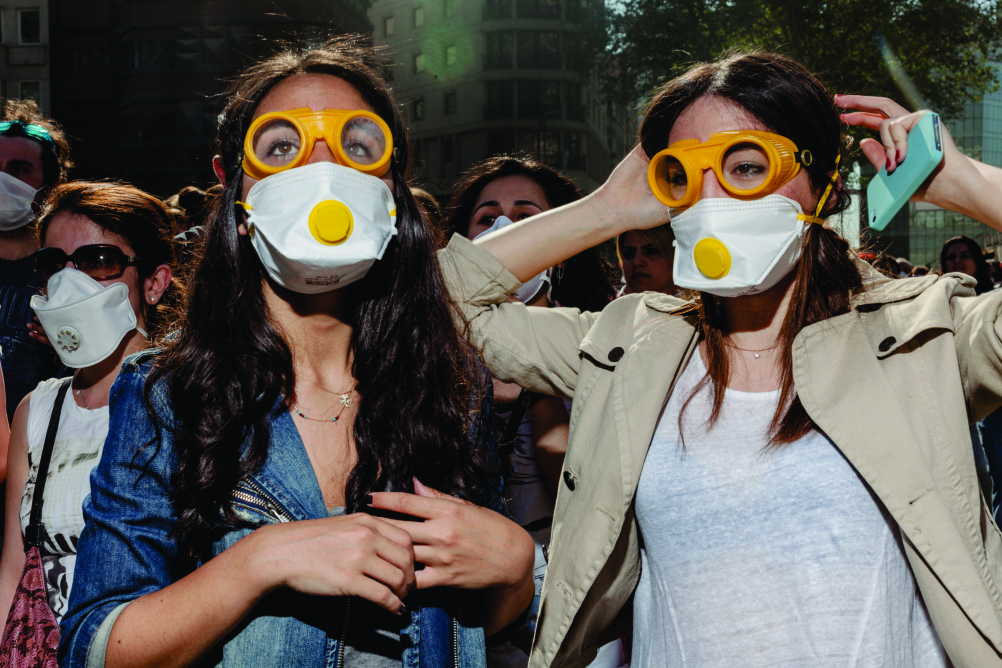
(766, 557)
(76, 450)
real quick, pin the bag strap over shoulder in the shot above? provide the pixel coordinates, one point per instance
(35, 530)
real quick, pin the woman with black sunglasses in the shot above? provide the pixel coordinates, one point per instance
(107, 259)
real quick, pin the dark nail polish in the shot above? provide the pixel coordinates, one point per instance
(368, 499)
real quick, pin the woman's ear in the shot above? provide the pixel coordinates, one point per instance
(217, 167)
(156, 284)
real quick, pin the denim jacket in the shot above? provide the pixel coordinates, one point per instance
(126, 551)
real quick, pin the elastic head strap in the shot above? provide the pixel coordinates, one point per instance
(828, 190)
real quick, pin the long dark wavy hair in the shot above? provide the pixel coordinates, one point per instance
(792, 102)
(230, 368)
(585, 281)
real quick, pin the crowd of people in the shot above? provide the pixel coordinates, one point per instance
(314, 416)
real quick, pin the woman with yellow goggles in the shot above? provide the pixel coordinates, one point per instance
(283, 140)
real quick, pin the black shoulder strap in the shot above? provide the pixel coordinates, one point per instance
(515, 418)
(35, 530)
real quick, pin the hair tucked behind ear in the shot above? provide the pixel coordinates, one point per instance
(789, 101)
(229, 369)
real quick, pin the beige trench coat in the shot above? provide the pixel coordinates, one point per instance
(895, 384)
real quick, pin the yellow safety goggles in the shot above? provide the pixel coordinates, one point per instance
(748, 163)
(284, 139)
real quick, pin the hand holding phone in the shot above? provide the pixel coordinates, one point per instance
(887, 193)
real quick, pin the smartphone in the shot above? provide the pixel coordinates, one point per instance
(887, 193)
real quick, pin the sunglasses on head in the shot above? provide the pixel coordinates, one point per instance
(99, 261)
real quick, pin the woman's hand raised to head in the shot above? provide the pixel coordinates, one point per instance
(626, 197)
(959, 183)
(354, 555)
(465, 546)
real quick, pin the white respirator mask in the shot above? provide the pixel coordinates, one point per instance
(532, 286)
(320, 227)
(730, 247)
(84, 320)
(16, 197)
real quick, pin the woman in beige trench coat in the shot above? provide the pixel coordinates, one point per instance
(877, 378)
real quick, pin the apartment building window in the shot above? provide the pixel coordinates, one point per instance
(417, 108)
(539, 99)
(29, 26)
(500, 100)
(544, 145)
(574, 153)
(447, 149)
(572, 102)
(451, 55)
(418, 63)
(538, 9)
(31, 90)
(451, 102)
(500, 50)
(389, 26)
(418, 17)
(498, 9)
(450, 8)
(539, 49)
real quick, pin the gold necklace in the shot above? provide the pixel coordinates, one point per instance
(342, 395)
(344, 400)
(758, 351)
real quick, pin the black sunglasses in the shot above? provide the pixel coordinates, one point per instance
(99, 261)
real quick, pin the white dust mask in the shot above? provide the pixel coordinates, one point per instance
(320, 227)
(730, 247)
(16, 197)
(532, 286)
(84, 320)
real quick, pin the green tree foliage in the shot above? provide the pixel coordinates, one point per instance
(945, 46)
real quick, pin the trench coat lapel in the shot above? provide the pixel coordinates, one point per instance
(838, 380)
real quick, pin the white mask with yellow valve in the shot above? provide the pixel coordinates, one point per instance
(730, 247)
(320, 227)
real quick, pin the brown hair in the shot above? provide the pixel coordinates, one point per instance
(789, 101)
(585, 281)
(982, 270)
(661, 237)
(137, 217)
(55, 166)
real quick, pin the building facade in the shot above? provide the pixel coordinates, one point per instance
(24, 50)
(486, 77)
(138, 82)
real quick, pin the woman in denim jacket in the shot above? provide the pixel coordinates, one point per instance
(223, 524)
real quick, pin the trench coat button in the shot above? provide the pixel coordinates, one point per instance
(616, 354)
(569, 480)
(886, 344)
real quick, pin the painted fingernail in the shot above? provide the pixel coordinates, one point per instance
(897, 156)
(368, 499)
(402, 610)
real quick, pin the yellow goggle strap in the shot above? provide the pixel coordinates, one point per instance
(816, 218)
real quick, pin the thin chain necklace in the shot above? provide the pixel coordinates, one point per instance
(758, 351)
(344, 399)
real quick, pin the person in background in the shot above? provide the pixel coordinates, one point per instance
(918, 270)
(490, 196)
(645, 257)
(905, 266)
(963, 254)
(34, 158)
(190, 206)
(887, 266)
(107, 259)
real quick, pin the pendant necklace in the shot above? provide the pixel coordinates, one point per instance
(758, 352)
(344, 398)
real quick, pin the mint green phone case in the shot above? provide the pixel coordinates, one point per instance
(887, 193)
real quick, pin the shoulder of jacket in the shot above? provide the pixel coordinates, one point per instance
(894, 290)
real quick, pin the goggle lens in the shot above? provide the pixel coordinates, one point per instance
(363, 141)
(99, 261)
(676, 178)
(745, 166)
(277, 142)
